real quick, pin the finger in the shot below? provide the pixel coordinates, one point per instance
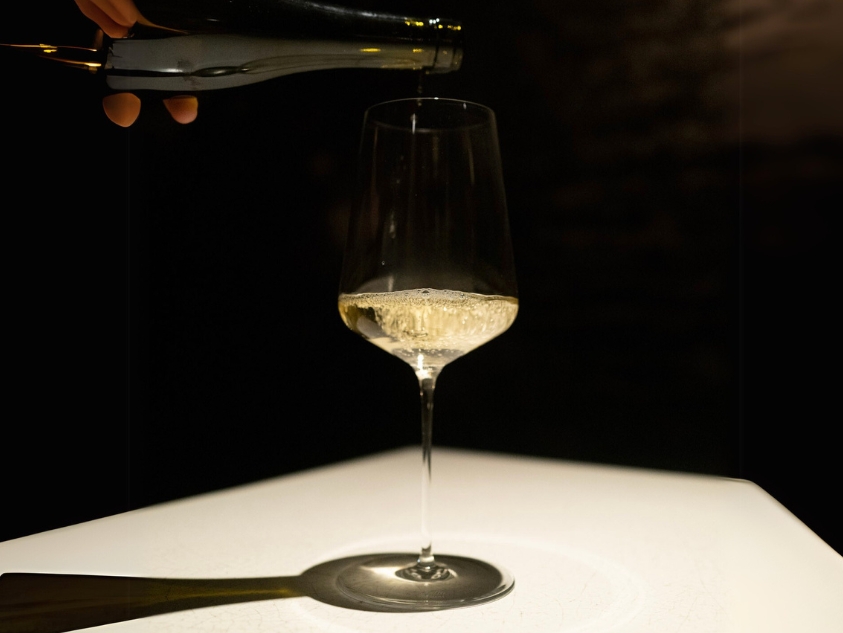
(102, 19)
(182, 108)
(118, 11)
(121, 11)
(97, 43)
(122, 108)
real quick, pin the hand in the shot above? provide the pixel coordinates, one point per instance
(116, 18)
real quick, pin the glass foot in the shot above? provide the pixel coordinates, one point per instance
(396, 581)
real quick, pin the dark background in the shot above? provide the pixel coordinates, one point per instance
(671, 169)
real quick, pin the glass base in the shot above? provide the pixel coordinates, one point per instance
(397, 582)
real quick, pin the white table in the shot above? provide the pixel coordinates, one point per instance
(592, 548)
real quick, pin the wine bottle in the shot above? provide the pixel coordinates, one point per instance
(197, 45)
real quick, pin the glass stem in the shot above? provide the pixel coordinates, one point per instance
(426, 568)
(427, 384)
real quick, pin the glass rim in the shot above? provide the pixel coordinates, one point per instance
(476, 107)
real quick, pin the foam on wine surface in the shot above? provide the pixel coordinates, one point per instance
(425, 327)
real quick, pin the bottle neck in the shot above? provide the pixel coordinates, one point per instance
(190, 63)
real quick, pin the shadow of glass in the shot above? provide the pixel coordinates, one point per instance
(51, 603)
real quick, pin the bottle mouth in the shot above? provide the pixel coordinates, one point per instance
(448, 59)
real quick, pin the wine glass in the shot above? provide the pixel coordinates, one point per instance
(428, 276)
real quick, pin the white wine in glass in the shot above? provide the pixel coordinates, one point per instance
(428, 276)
